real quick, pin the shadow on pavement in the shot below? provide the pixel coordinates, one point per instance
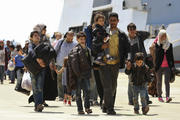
(121, 115)
(117, 109)
(85, 115)
(46, 107)
(26, 106)
(154, 105)
(151, 114)
(174, 103)
(45, 112)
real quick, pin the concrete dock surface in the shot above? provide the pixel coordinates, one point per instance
(14, 106)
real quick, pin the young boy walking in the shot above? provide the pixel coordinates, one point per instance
(139, 75)
(19, 68)
(81, 66)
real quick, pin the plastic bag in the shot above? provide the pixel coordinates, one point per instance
(11, 65)
(26, 82)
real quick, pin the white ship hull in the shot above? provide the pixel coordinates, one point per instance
(78, 14)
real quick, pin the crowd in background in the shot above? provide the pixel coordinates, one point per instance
(62, 67)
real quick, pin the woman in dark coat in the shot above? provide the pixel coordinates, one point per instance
(164, 62)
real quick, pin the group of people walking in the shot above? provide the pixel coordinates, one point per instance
(96, 56)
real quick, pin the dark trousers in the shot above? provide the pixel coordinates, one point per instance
(109, 74)
(2, 70)
(159, 73)
(83, 84)
(98, 84)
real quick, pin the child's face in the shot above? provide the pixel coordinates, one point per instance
(100, 21)
(139, 63)
(36, 38)
(82, 41)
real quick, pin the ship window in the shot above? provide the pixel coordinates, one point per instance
(97, 3)
(105, 12)
(76, 29)
(124, 5)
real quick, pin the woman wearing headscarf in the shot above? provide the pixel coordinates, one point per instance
(164, 62)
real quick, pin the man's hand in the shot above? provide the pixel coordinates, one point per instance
(52, 66)
(104, 46)
(41, 62)
(128, 65)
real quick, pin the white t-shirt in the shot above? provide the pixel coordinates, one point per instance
(13, 54)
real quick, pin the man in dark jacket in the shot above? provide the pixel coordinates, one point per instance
(37, 79)
(118, 47)
(97, 84)
(136, 41)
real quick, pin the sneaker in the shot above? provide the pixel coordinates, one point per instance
(104, 110)
(1, 82)
(88, 110)
(130, 103)
(145, 110)
(11, 83)
(99, 61)
(73, 98)
(22, 91)
(39, 108)
(149, 102)
(64, 101)
(160, 99)
(59, 99)
(111, 112)
(81, 112)
(69, 103)
(136, 111)
(168, 99)
(91, 103)
(45, 104)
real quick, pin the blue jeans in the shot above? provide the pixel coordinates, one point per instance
(37, 86)
(84, 85)
(2, 69)
(12, 76)
(130, 92)
(19, 74)
(142, 91)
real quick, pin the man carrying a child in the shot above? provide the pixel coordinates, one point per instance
(118, 50)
